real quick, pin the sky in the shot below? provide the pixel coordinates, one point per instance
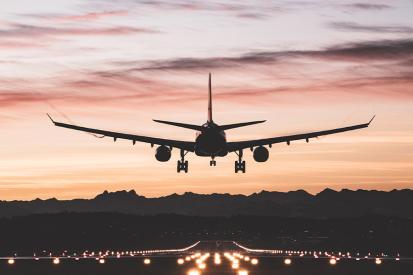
(118, 64)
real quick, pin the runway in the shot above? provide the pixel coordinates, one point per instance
(207, 257)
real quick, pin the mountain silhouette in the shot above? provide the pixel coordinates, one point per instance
(326, 204)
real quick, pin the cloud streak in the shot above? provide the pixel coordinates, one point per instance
(354, 27)
(90, 16)
(367, 51)
(25, 31)
(128, 81)
(367, 6)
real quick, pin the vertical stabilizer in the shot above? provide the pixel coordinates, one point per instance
(209, 100)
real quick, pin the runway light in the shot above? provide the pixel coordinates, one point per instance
(56, 261)
(194, 272)
(333, 261)
(101, 261)
(187, 258)
(202, 266)
(287, 261)
(10, 261)
(147, 261)
(243, 272)
(247, 258)
(235, 265)
(180, 261)
(254, 261)
(378, 261)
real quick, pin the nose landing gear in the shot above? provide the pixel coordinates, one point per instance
(212, 162)
(240, 164)
(182, 164)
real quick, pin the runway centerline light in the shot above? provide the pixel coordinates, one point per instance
(378, 261)
(147, 261)
(10, 261)
(180, 261)
(235, 265)
(56, 261)
(194, 272)
(287, 261)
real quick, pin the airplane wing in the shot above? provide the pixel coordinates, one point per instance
(185, 145)
(234, 146)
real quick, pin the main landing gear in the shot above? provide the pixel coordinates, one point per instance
(240, 164)
(182, 164)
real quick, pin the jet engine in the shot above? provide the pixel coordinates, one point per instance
(163, 153)
(261, 154)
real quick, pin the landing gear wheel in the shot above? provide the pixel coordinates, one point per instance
(182, 164)
(240, 164)
(212, 163)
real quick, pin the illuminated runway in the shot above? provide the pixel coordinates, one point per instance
(207, 258)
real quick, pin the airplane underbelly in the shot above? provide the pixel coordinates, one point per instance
(210, 145)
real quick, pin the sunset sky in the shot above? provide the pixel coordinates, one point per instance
(118, 64)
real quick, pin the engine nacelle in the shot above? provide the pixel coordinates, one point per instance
(163, 153)
(261, 154)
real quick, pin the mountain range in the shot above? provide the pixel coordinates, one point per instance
(326, 204)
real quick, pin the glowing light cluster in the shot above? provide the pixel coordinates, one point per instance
(217, 259)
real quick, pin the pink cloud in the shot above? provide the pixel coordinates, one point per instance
(21, 30)
(89, 16)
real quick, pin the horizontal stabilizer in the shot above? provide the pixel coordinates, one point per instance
(182, 125)
(237, 125)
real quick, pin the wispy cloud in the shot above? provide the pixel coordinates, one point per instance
(23, 30)
(374, 50)
(367, 6)
(355, 27)
(127, 81)
(88, 16)
(247, 10)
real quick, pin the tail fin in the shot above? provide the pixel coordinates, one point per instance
(209, 100)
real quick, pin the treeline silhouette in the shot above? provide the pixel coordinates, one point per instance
(44, 233)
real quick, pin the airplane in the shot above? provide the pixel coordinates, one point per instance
(211, 140)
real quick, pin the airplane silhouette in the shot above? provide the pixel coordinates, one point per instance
(211, 140)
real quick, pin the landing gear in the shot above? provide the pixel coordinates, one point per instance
(240, 164)
(212, 162)
(182, 164)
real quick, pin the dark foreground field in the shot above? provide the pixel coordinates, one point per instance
(69, 233)
(77, 232)
(168, 266)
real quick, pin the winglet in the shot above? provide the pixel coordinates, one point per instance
(51, 118)
(371, 120)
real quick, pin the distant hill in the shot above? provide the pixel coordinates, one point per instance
(326, 204)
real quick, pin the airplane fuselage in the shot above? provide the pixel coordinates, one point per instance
(211, 141)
